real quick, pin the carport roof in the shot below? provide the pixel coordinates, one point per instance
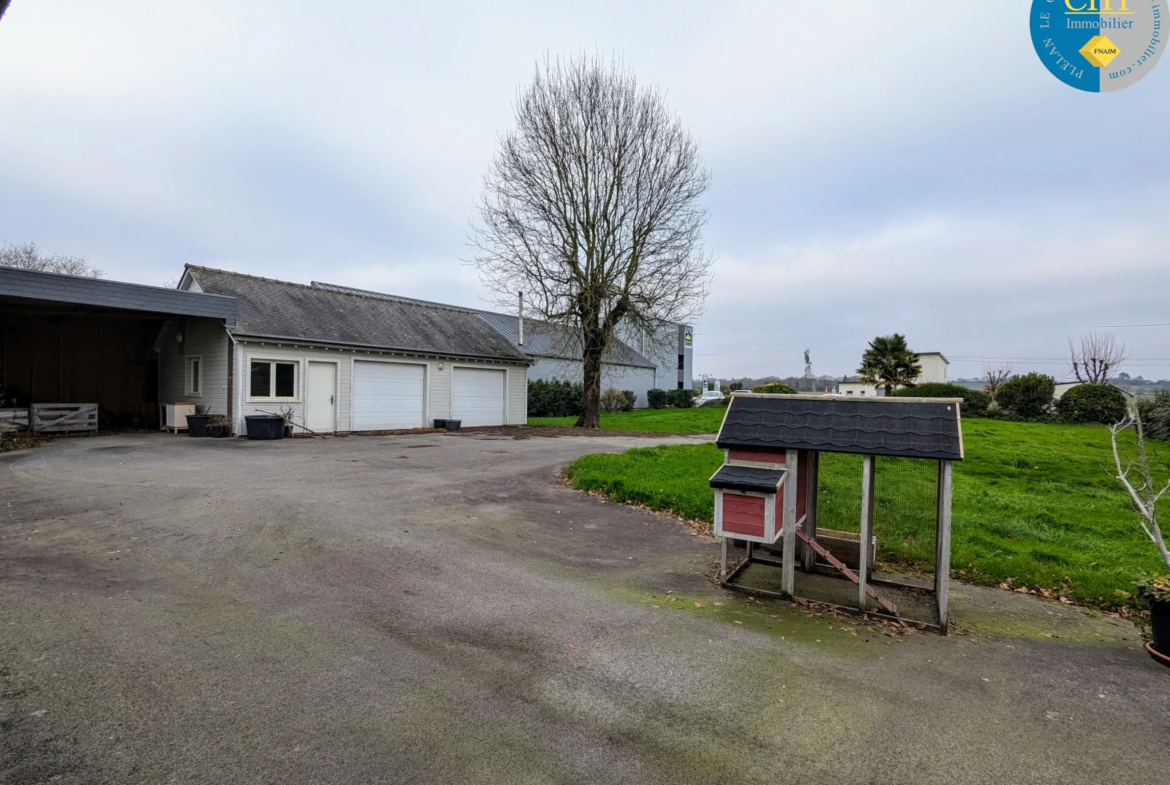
(56, 288)
(280, 310)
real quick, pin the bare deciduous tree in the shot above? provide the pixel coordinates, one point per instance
(1095, 356)
(591, 207)
(28, 257)
(1144, 497)
(995, 375)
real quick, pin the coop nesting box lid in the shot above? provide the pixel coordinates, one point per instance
(747, 478)
(895, 427)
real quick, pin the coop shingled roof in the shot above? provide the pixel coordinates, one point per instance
(746, 478)
(900, 428)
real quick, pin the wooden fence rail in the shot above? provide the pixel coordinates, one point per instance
(63, 417)
(17, 418)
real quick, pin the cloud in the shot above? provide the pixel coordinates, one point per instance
(918, 172)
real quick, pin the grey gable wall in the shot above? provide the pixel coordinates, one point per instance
(206, 338)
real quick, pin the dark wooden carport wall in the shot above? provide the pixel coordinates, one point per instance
(106, 359)
(78, 340)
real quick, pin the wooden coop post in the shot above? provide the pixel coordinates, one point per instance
(791, 478)
(942, 560)
(867, 483)
(813, 470)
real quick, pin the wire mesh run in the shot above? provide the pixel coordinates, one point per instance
(905, 519)
(839, 493)
(902, 555)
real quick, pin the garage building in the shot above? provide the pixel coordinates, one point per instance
(340, 361)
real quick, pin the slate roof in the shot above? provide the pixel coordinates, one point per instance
(897, 427)
(745, 478)
(541, 338)
(280, 310)
(54, 287)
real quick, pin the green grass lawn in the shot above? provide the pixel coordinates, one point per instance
(1034, 503)
(702, 420)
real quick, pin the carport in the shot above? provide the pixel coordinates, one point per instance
(66, 339)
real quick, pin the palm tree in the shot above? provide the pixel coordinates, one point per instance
(888, 361)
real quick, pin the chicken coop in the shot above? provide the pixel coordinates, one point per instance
(840, 501)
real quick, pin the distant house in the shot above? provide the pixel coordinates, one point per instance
(934, 370)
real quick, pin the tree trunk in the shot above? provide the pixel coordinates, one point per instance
(591, 401)
(889, 390)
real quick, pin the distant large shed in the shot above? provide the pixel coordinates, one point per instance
(793, 460)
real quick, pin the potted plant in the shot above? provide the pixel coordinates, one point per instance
(1145, 494)
(219, 426)
(1156, 591)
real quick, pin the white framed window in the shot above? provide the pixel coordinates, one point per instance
(273, 380)
(194, 374)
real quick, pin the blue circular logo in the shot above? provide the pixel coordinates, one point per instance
(1099, 45)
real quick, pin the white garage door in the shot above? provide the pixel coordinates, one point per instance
(478, 396)
(388, 396)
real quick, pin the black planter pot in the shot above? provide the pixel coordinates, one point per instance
(197, 424)
(440, 424)
(452, 425)
(264, 427)
(1160, 622)
(217, 431)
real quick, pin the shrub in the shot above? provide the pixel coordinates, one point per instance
(774, 388)
(612, 400)
(1028, 397)
(656, 399)
(630, 398)
(1093, 403)
(974, 401)
(554, 399)
(1155, 414)
(681, 399)
(716, 403)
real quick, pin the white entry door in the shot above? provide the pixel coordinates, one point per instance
(388, 396)
(321, 406)
(477, 396)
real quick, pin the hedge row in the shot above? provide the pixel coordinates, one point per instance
(676, 399)
(618, 400)
(554, 399)
(974, 401)
(1155, 414)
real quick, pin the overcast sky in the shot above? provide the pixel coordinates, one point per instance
(918, 171)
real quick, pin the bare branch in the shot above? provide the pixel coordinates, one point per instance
(1147, 506)
(995, 375)
(28, 257)
(1095, 355)
(591, 204)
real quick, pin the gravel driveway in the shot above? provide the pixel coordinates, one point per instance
(438, 609)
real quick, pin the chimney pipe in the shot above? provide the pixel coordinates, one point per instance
(520, 313)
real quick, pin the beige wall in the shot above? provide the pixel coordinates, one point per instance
(437, 380)
(934, 369)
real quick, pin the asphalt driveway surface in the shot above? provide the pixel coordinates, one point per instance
(438, 609)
